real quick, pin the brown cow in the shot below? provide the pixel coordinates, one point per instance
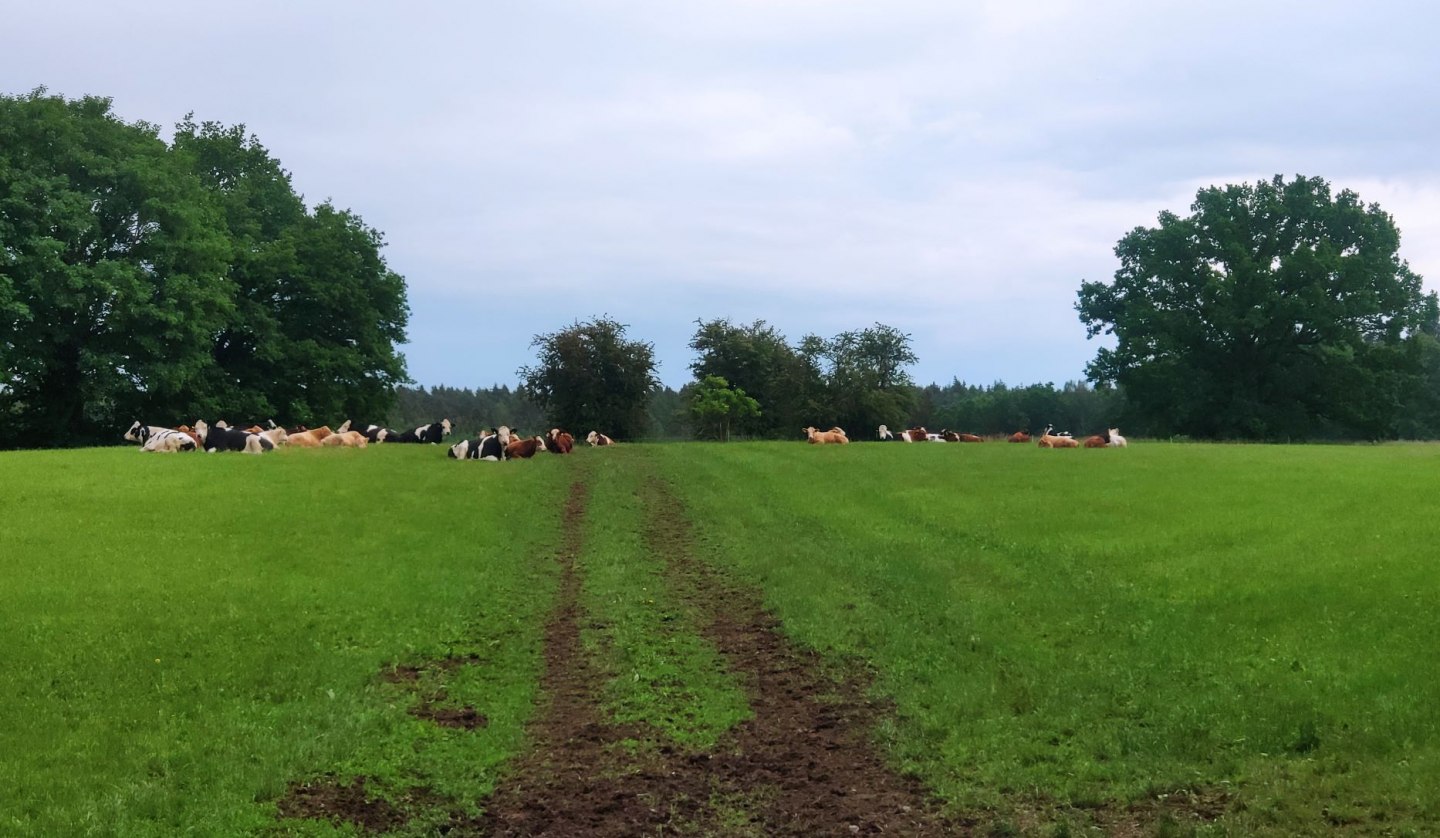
(524, 449)
(834, 436)
(1097, 441)
(311, 438)
(559, 442)
(347, 439)
(1019, 436)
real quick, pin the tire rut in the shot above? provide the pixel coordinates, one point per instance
(803, 765)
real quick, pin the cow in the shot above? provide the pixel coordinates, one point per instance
(952, 436)
(165, 440)
(277, 436)
(884, 433)
(1049, 440)
(559, 442)
(1018, 436)
(374, 433)
(226, 438)
(1097, 440)
(596, 438)
(347, 439)
(524, 449)
(914, 435)
(487, 447)
(433, 433)
(311, 438)
(1116, 440)
(834, 436)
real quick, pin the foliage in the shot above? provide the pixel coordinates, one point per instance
(1275, 310)
(589, 377)
(1000, 409)
(470, 411)
(756, 358)
(112, 272)
(716, 406)
(140, 280)
(866, 378)
(856, 379)
(318, 310)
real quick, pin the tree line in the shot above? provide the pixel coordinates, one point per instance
(143, 278)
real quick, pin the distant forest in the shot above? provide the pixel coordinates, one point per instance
(991, 409)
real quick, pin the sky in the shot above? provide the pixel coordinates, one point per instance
(952, 169)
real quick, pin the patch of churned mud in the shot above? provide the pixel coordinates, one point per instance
(804, 765)
(464, 718)
(329, 799)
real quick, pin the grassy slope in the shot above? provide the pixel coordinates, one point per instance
(183, 635)
(1084, 626)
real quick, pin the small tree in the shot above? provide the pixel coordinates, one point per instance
(716, 406)
(589, 377)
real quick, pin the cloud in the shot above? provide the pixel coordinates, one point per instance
(953, 169)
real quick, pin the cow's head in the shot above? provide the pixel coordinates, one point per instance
(444, 428)
(137, 432)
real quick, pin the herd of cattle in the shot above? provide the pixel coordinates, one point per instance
(502, 443)
(1110, 439)
(494, 444)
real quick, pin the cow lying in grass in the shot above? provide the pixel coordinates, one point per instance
(524, 449)
(312, 438)
(222, 438)
(490, 446)
(1049, 440)
(347, 439)
(164, 440)
(559, 442)
(433, 433)
(1116, 440)
(597, 438)
(834, 436)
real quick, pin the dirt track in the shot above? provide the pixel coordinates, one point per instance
(804, 765)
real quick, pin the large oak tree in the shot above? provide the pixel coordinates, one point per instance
(1274, 310)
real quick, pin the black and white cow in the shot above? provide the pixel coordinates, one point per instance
(155, 438)
(425, 433)
(229, 439)
(490, 446)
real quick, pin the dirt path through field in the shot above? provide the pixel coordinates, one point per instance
(803, 765)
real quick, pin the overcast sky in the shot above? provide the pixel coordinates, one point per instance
(953, 169)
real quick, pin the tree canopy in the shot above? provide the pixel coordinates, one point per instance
(716, 406)
(1274, 310)
(589, 377)
(140, 280)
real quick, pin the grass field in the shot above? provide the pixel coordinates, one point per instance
(1242, 631)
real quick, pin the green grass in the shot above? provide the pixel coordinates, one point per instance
(185, 635)
(182, 636)
(659, 670)
(1079, 627)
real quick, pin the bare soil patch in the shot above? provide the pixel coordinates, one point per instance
(329, 799)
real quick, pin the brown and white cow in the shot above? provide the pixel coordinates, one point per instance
(559, 442)
(597, 438)
(524, 449)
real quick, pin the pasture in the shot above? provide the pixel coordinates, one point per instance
(1167, 639)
